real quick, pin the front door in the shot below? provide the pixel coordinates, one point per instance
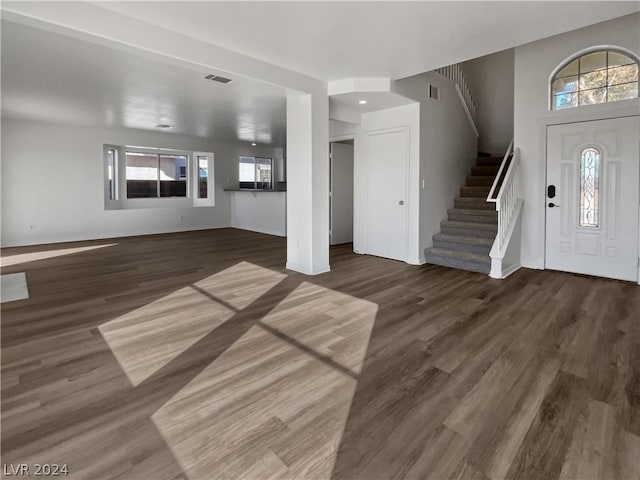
(592, 198)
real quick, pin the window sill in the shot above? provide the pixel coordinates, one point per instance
(152, 203)
(255, 190)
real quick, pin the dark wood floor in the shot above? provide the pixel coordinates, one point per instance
(196, 355)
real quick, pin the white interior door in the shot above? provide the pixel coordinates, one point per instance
(341, 193)
(592, 217)
(387, 194)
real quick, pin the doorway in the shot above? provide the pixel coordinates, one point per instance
(592, 198)
(341, 192)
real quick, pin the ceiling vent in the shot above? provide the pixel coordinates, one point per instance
(217, 78)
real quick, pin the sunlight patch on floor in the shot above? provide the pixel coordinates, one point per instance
(8, 261)
(148, 338)
(275, 403)
(13, 286)
(240, 285)
(329, 322)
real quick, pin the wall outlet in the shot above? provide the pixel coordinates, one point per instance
(32, 227)
(180, 218)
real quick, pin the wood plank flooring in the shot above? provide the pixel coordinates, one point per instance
(198, 356)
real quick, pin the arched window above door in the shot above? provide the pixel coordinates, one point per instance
(600, 76)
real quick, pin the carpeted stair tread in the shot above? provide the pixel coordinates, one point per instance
(458, 259)
(480, 180)
(485, 170)
(474, 215)
(471, 244)
(474, 203)
(489, 161)
(471, 226)
(487, 242)
(475, 191)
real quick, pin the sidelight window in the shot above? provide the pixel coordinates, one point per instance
(589, 188)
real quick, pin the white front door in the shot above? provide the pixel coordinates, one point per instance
(592, 197)
(341, 186)
(386, 209)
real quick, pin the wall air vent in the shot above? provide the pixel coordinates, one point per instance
(434, 92)
(217, 78)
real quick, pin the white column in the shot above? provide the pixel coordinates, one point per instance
(308, 183)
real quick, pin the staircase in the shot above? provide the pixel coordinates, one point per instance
(466, 238)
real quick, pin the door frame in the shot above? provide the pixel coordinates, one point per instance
(593, 113)
(340, 138)
(367, 134)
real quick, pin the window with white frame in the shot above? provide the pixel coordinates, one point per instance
(144, 177)
(156, 175)
(600, 76)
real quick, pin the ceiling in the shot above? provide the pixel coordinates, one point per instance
(336, 40)
(51, 77)
(375, 101)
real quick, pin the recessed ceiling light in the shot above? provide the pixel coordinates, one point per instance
(164, 125)
(362, 102)
(253, 144)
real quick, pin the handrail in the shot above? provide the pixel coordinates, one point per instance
(490, 197)
(507, 199)
(455, 74)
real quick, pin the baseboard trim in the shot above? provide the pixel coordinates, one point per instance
(511, 269)
(305, 271)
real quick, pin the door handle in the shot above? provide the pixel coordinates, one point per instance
(551, 205)
(401, 202)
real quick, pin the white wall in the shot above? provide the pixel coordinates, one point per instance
(263, 212)
(448, 147)
(338, 129)
(534, 63)
(490, 79)
(52, 179)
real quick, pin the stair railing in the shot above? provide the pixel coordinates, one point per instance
(493, 193)
(506, 198)
(455, 74)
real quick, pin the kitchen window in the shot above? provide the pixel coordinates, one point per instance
(255, 172)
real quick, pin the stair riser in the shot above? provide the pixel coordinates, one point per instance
(473, 192)
(471, 232)
(473, 204)
(462, 247)
(464, 217)
(459, 264)
(484, 171)
(480, 181)
(488, 162)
